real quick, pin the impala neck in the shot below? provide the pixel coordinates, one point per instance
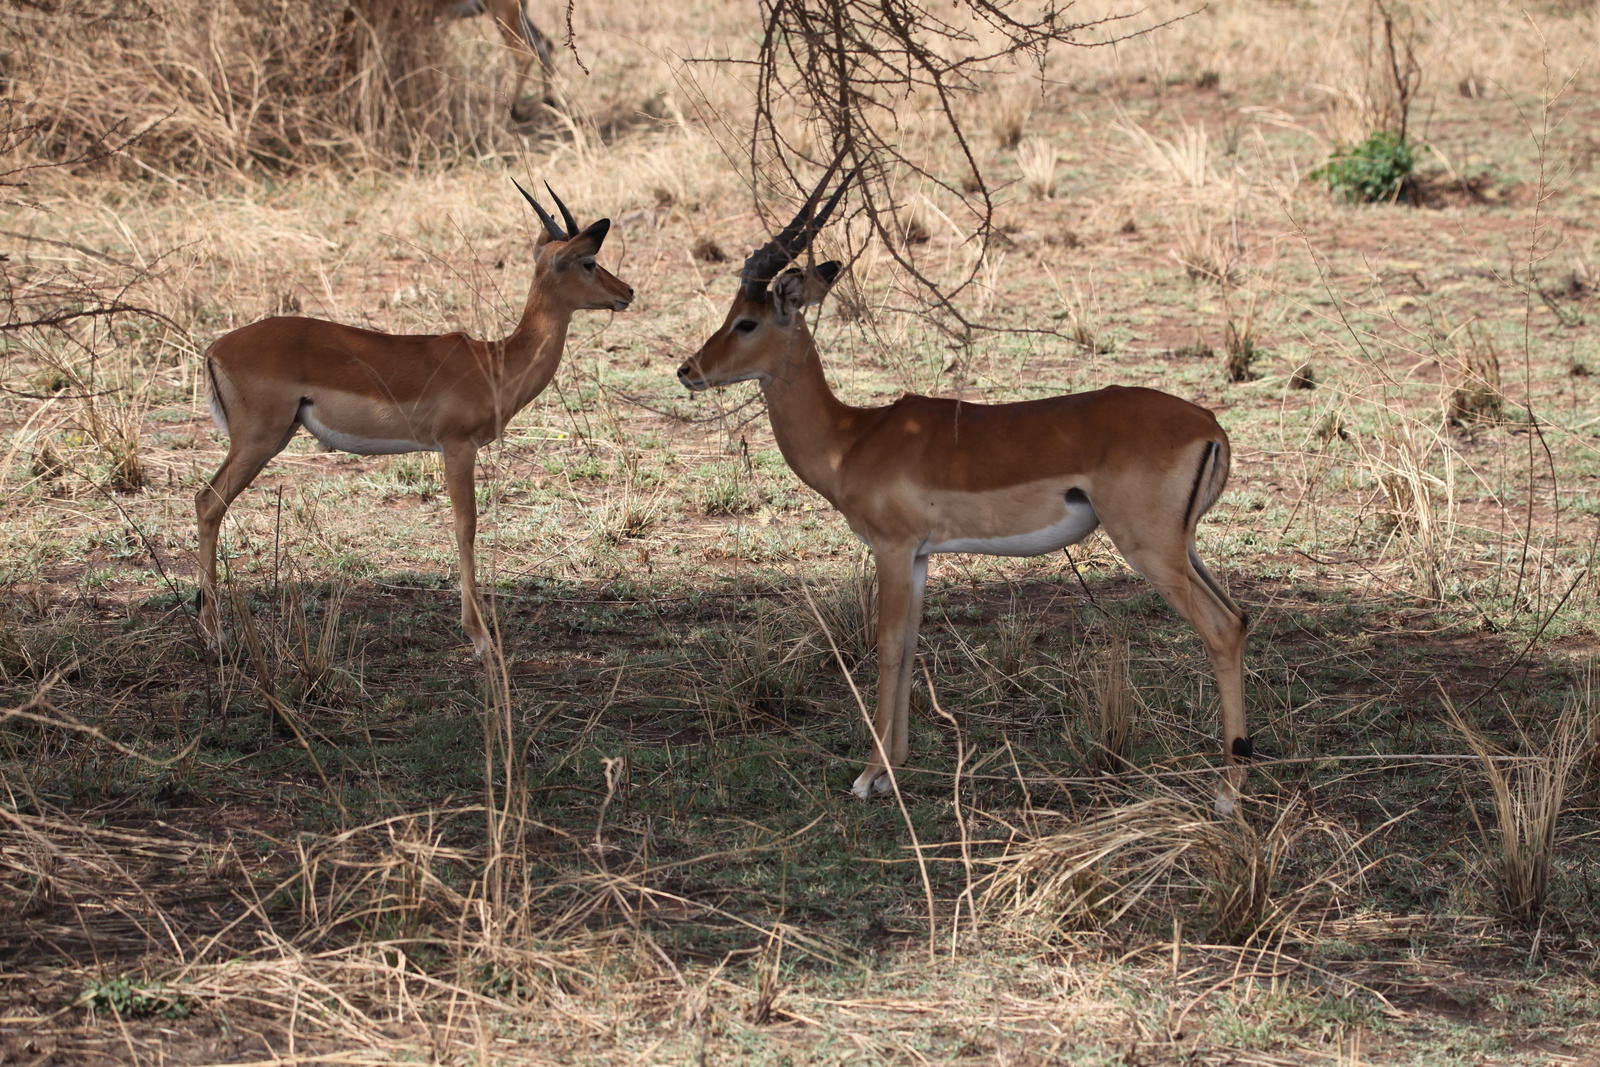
(530, 355)
(813, 428)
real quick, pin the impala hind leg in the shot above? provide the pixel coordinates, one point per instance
(460, 465)
(1181, 577)
(900, 584)
(248, 452)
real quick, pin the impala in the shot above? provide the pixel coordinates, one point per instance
(927, 475)
(521, 36)
(376, 393)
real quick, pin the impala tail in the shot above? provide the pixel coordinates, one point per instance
(219, 414)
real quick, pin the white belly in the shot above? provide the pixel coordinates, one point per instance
(1080, 522)
(361, 446)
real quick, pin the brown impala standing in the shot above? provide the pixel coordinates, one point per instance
(377, 393)
(927, 475)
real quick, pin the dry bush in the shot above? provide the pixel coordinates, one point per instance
(243, 84)
(1529, 792)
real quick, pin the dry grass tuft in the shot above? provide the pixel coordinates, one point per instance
(708, 251)
(1115, 701)
(1155, 859)
(1009, 111)
(1183, 162)
(1474, 365)
(847, 611)
(242, 87)
(1420, 504)
(1240, 349)
(1037, 159)
(1202, 255)
(1529, 792)
(116, 430)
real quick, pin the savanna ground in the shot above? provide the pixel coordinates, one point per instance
(629, 839)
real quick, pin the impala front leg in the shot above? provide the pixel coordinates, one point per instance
(460, 463)
(901, 577)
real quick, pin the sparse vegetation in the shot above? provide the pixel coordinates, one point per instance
(625, 837)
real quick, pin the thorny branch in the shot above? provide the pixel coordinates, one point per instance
(847, 69)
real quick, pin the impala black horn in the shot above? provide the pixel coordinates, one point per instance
(550, 227)
(572, 223)
(767, 261)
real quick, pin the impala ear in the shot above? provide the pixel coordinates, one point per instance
(795, 290)
(824, 277)
(787, 293)
(586, 243)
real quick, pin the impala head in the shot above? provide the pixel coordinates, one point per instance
(754, 340)
(565, 268)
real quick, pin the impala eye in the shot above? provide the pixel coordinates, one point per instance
(745, 325)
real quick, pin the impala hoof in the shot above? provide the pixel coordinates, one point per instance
(872, 781)
(1227, 801)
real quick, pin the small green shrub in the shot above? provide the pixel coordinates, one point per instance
(121, 996)
(1376, 170)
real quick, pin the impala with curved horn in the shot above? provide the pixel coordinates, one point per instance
(375, 393)
(927, 475)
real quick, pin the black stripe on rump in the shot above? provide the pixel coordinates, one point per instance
(1189, 518)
